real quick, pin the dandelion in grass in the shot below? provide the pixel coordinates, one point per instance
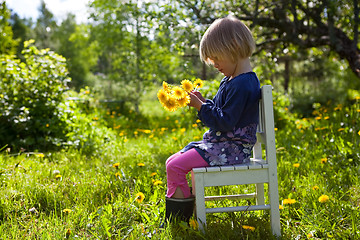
(58, 177)
(67, 211)
(40, 155)
(193, 224)
(153, 174)
(289, 201)
(141, 164)
(139, 197)
(157, 182)
(323, 198)
(116, 165)
(359, 132)
(248, 228)
(117, 175)
(324, 160)
(296, 165)
(68, 233)
(315, 188)
(281, 207)
(187, 85)
(198, 83)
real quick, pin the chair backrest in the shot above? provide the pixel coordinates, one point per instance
(266, 131)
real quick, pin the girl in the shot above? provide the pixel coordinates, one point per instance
(232, 115)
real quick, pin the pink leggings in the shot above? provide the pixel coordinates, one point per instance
(177, 166)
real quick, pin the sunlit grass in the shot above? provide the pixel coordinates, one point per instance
(118, 193)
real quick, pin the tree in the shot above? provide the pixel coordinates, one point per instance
(45, 28)
(79, 50)
(7, 43)
(304, 24)
(134, 49)
(23, 30)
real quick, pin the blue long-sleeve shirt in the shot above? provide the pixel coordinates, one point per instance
(232, 117)
(235, 105)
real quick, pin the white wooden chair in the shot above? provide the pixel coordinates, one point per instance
(258, 172)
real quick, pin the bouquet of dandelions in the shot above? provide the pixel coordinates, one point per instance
(174, 97)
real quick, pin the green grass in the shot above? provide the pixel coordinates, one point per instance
(36, 188)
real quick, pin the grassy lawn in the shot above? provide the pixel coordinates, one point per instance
(80, 195)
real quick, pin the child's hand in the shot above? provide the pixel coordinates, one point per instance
(196, 100)
(198, 94)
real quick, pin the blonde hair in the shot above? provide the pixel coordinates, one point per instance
(226, 38)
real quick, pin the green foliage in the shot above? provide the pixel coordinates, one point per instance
(87, 196)
(31, 93)
(7, 43)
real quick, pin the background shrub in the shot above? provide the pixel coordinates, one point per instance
(31, 92)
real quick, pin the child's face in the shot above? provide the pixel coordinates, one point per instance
(225, 66)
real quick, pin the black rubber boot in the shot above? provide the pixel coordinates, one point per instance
(178, 209)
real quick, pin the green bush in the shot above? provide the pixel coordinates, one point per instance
(30, 94)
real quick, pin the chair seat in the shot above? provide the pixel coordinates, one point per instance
(253, 164)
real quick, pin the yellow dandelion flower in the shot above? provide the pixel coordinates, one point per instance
(359, 132)
(194, 125)
(341, 129)
(194, 224)
(248, 228)
(162, 95)
(198, 121)
(68, 233)
(289, 201)
(157, 182)
(47, 125)
(187, 85)
(116, 165)
(40, 155)
(166, 87)
(117, 175)
(153, 174)
(66, 210)
(141, 164)
(281, 207)
(323, 198)
(139, 197)
(198, 83)
(309, 235)
(171, 104)
(323, 160)
(183, 102)
(315, 188)
(178, 93)
(326, 118)
(318, 118)
(58, 177)
(296, 165)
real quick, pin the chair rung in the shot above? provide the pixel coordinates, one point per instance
(238, 209)
(240, 196)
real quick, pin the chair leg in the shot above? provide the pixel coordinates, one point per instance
(274, 209)
(260, 197)
(199, 200)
